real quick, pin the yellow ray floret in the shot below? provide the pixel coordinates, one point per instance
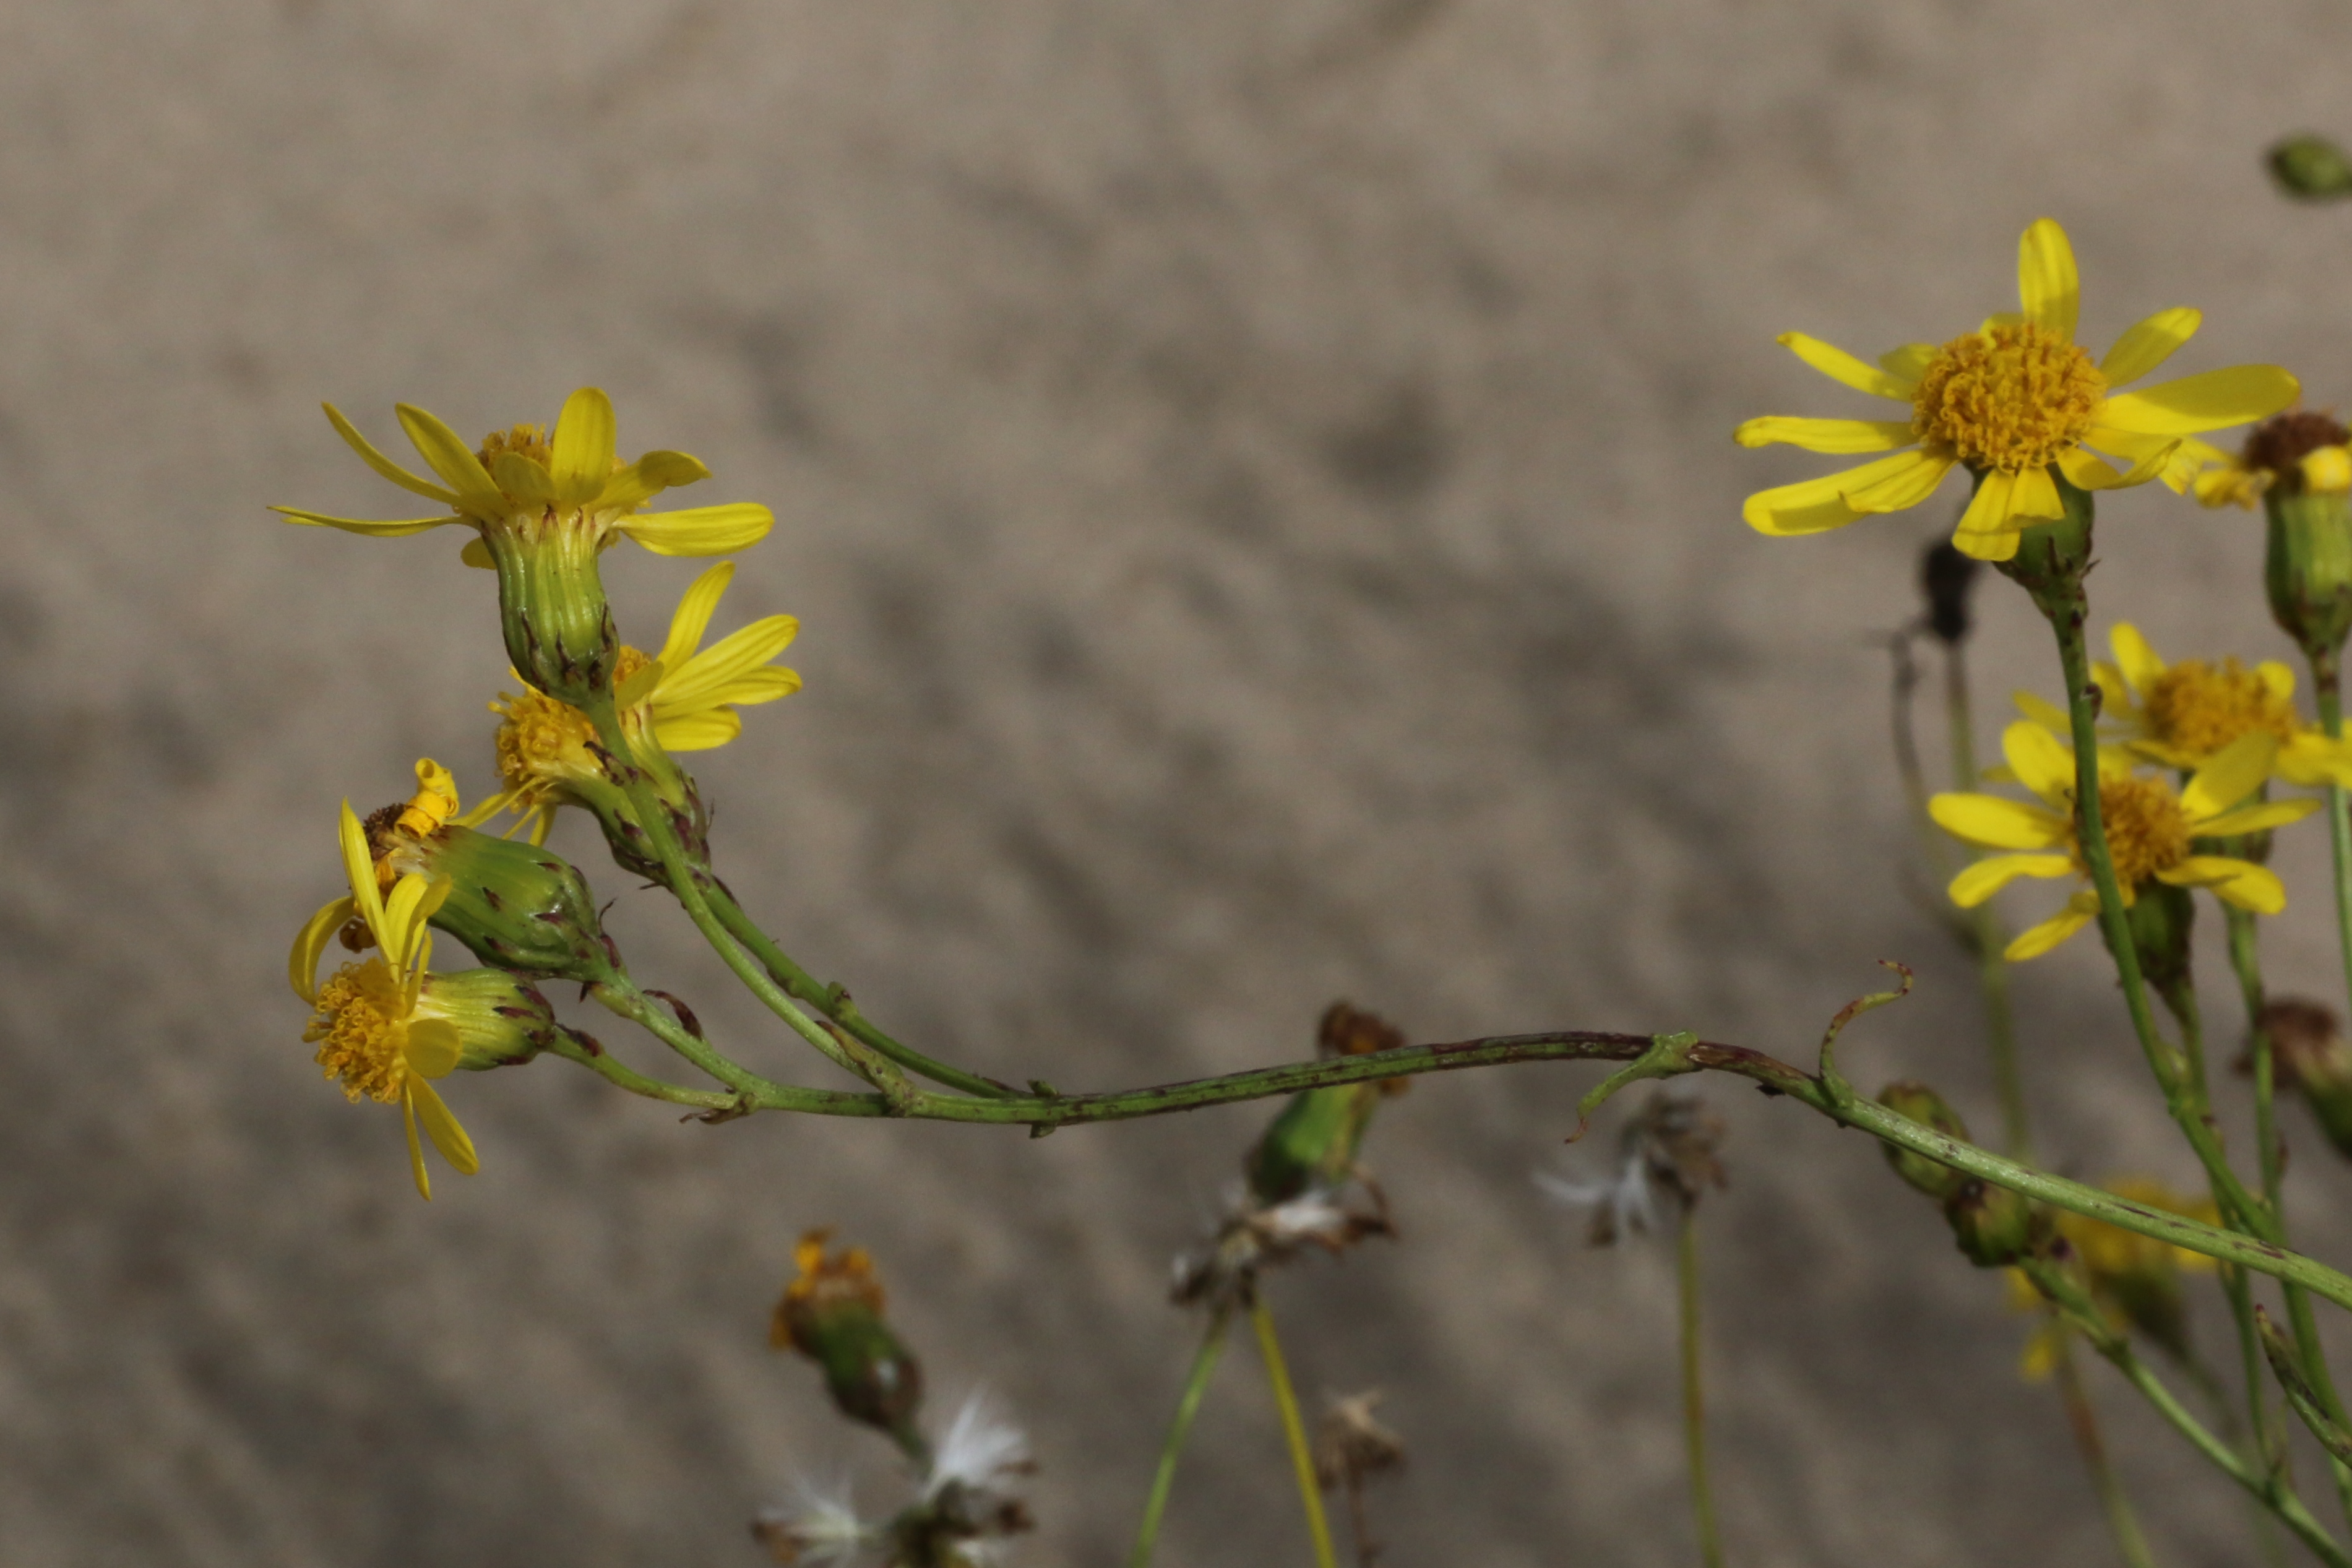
(2150, 829)
(684, 698)
(377, 1031)
(521, 482)
(2178, 714)
(2018, 405)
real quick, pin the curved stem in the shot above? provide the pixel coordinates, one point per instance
(1188, 1406)
(1294, 1432)
(1710, 1541)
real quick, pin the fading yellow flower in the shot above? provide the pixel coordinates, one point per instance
(2149, 826)
(526, 484)
(2305, 452)
(2016, 403)
(378, 1029)
(683, 699)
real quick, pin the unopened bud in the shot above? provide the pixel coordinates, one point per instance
(833, 1314)
(2311, 168)
(2160, 921)
(2313, 1059)
(1926, 1107)
(1994, 1226)
(2307, 564)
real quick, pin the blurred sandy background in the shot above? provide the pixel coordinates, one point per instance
(1255, 481)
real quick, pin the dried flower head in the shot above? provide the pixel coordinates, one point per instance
(832, 1313)
(1670, 1146)
(1254, 1237)
(821, 1529)
(1351, 1444)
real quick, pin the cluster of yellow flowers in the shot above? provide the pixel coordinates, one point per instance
(543, 507)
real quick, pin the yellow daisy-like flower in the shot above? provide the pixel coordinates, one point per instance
(2015, 402)
(2304, 452)
(2179, 714)
(2149, 826)
(525, 484)
(377, 1029)
(684, 700)
(2133, 1278)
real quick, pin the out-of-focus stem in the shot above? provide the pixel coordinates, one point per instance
(2083, 1420)
(1294, 1432)
(1188, 1406)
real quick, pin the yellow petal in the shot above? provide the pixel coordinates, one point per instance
(2256, 888)
(2200, 403)
(693, 616)
(2035, 498)
(522, 478)
(1985, 530)
(2135, 657)
(443, 1129)
(2035, 940)
(360, 866)
(2087, 472)
(2278, 678)
(478, 553)
(700, 731)
(1983, 880)
(2149, 343)
(1909, 362)
(402, 920)
(2259, 818)
(763, 685)
(734, 655)
(701, 530)
(1810, 506)
(1902, 489)
(2042, 762)
(432, 1047)
(1996, 823)
(382, 465)
(448, 457)
(1827, 434)
(2230, 775)
(647, 478)
(1841, 366)
(582, 450)
(415, 1150)
(2047, 284)
(485, 809)
(2311, 759)
(639, 686)
(2044, 712)
(391, 528)
(302, 964)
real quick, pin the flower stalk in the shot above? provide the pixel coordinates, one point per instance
(1294, 1432)
(1180, 1431)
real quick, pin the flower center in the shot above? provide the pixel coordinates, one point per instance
(545, 740)
(2148, 829)
(2009, 397)
(523, 441)
(2199, 708)
(359, 1029)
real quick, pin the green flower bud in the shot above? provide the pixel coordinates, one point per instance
(2313, 1059)
(2160, 920)
(502, 1021)
(1928, 1107)
(833, 1314)
(2311, 168)
(1994, 1226)
(559, 630)
(1313, 1141)
(2052, 556)
(515, 905)
(2307, 564)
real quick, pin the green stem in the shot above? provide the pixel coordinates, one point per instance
(1710, 1541)
(622, 997)
(1294, 1432)
(2339, 811)
(2083, 1420)
(575, 1047)
(2272, 1491)
(1188, 1406)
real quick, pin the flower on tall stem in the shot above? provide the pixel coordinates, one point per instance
(2150, 825)
(2016, 403)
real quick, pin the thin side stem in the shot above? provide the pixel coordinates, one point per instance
(2339, 813)
(1710, 1541)
(1294, 1432)
(2083, 1420)
(1188, 1406)
(1984, 926)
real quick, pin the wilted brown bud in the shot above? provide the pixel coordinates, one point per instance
(833, 1314)
(1351, 1444)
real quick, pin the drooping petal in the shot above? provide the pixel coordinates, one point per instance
(1842, 367)
(478, 554)
(1903, 488)
(1983, 878)
(2200, 403)
(2087, 472)
(2035, 499)
(1986, 530)
(302, 964)
(2135, 657)
(382, 465)
(1996, 823)
(701, 530)
(443, 1129)
(448, 457)
(701, 732)
(2229, 775)
(415, 1150)
(2254, 887)
(2047, 283)
(2035, 940)
(2259, 818)
(360, 866)
(386, 528)
(2043, 711)
(401, 920)
(1811, 506)
(1826, 434)
(2149, 343)
(2041, 762)
(581, 452)
(646, 477)
(1909, 362)
(433, 1048)
(693, 616)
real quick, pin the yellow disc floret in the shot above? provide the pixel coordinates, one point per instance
(360, 1029)
(523, 440)
(2147, 828)
(2198, 708)
(2009, 397)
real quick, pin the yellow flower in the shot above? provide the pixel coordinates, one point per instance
(523, 484)
(2015, 402)
(2133, 1278)
(684, 700)
(2304, 452)
(2149, 827)
(378, 1029)
(2179, 714)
